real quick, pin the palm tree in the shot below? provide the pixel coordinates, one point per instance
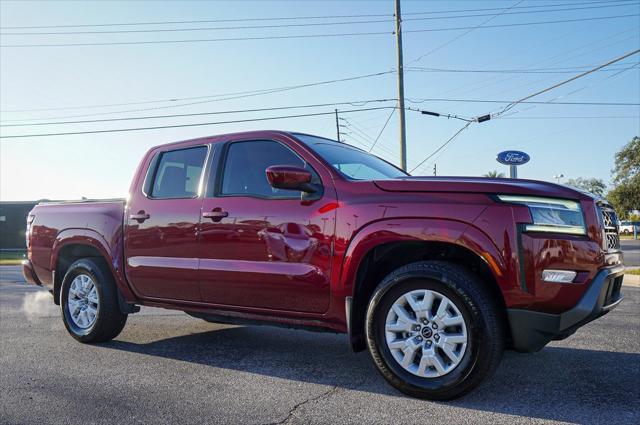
(494, 175)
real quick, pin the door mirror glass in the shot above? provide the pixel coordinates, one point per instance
(290, 178)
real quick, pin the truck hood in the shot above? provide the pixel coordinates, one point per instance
(480, 185)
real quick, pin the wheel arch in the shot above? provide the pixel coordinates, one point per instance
(73, 244)
(385, 246)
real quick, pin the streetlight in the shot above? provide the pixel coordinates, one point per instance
(558, 177)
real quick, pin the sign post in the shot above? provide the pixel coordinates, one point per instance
(513, 159)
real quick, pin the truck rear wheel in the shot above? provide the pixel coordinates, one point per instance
(89, 302)
(433, 330)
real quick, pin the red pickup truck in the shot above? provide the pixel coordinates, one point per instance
(435, 276)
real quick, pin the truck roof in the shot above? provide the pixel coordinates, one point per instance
(225, 137)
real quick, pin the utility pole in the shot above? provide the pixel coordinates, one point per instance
(403, 136)
(337, 126)
(435, 169)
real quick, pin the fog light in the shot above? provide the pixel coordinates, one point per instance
(558, 276)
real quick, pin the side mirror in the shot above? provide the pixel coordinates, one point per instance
(290, 178)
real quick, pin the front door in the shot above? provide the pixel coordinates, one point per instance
(263, 247)
(161, 225)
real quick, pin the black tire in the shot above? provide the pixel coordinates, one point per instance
(483, 317)
(109, 320)
(626, 232)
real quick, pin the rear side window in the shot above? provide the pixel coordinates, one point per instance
(178, 173)
(245, 169)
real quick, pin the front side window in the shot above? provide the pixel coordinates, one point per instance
(245, 169)
(351, 162)
(178, 173)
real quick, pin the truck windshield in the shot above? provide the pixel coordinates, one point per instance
(350, 161)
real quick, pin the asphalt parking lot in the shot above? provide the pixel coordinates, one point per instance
(167, 367)
(631, 250)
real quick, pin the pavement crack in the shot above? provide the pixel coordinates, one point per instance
(293, 410)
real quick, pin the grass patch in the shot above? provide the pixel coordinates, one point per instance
(635, 272)
(10, 262)
(11, 258)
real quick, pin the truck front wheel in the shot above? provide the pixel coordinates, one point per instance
(434, 331)
(89, 302)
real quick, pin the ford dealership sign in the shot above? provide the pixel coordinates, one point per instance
(513, 158)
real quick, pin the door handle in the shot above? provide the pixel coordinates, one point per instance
(216, 214)
(140, 216)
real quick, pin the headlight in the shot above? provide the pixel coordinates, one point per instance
(551, 215)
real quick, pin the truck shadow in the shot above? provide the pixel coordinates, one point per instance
(552, 384)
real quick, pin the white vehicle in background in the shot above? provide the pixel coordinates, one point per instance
(626, 227)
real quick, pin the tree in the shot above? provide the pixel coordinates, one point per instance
(593, 185)
(625, 196)
(494, 175)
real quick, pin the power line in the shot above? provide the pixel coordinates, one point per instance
(272, 90)
(262, 19)
(555, 117)
(618, 59)
(439, 115)
(608, 77)
(502, 12)
(318, 105)
(118, 130)
(524, 99)
(375, 142)
(522, 7)
(527, 102)
(562, 70)
(307, 36)
(219, 98)
(163, 30)
(312, 24)
(205, 40)
(353, 103)
(449, 140)
(562, 55)
(523, 23)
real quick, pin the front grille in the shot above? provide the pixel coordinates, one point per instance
(610, 223)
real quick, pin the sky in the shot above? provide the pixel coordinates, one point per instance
(69, 83)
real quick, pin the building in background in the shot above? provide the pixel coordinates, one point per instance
(13, 222)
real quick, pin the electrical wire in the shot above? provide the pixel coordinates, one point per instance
(449, 140)
(118, 130)
(519, 24)
(219, 98)
(524, 99)
(301, 17)
(317, 105)
(551, 101)
(312, 24)
(375, 142)
(486, 21)
(417, 101)
(560, 70)
(308, 36)
(555, 117)
(583, 74)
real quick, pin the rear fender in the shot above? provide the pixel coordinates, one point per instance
(112, 254)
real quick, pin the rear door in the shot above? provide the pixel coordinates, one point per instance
(263, 247)
(161, 224)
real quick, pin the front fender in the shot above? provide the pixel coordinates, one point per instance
(455, 232)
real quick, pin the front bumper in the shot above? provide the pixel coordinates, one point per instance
(532, 330)
(29, 274)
